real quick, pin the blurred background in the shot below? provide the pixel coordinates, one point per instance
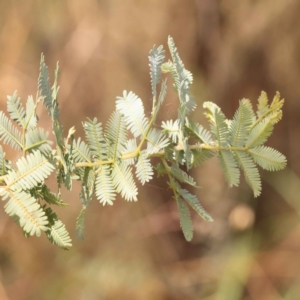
(235, 49)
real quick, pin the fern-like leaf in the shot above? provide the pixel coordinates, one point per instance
(229, 167)
(268, 158)
(129, 147)
(32, 170)
(200, 156)
(105, 190)
(218, 125)
(183, 79)
(156, 140)
(80, 226)
(156, 58)
(123, 181)
(185, 219)
(193, 201)
(31, 117)
(37, 139)
(8, 133)
(57, 232)
(95, 139)
(44, 85)
(144, 171)
(260, 133)
(250, 171)
(116, 134)
(32, 218)
(182, 176)
(172, 129)
(81, 151)
(241, 123)
(161, 98)
(197, 131)
(131, 107)
(15, 109)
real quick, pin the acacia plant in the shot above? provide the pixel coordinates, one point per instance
(106, 159)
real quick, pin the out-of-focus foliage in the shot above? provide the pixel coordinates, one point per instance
(235, 50)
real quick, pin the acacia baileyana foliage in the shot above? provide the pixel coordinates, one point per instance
(107, 161)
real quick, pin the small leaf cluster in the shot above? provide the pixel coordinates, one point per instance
(110, 159)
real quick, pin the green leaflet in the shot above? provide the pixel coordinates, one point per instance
(161, 98)
(57, 232)
(156, 140)
(194, 203)
(94, 135)
(241, 123)
(80, 227)
(198, 132)
(268, 158)
(80, 151)
(182, 176)
(250, 171)
(144, 171)
(8, 133)
(31, 117)
(15, 109)
(156, 58)
(37, 138)
(105, 190)
(32, 218)
(200, 156)
(32, 170)
(229, 167)
(272, 111)
(185, 219)
(182, 79)
(131, 107)
(116, 135)
(218, 125)
(260, 133)
(172, 129)
(123, 181)
(44, 85)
